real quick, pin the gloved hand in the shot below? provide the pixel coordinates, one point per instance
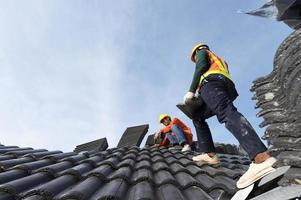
(157, 135)
(188, 96)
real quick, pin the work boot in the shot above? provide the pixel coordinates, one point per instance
(206, 158)
(186, 147)
(256, 172)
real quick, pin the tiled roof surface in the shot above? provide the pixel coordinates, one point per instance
(133, 136)
(96, 145)
(119, 173)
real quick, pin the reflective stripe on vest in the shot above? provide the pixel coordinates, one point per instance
(218, 66)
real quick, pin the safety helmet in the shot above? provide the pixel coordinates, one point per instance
(196, 47)
(163, 116)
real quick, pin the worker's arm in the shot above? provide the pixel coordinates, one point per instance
(201, 66)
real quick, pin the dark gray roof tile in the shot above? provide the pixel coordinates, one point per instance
(164, 177)
(185, 161)
(92, 160)
(227, 183)
(118, 154)
(290, 176)
(22, 152)
(145, 151)
(167, 154)
(6, 150)
(196, 193)
(179, 155)
(115, 189)
(6, 157)
(113, 161)
(55, 168)
(76, 158)
(155, 152)
(96, 145)
(160, 166)
(83, 190)
(52, 188)
(8, 147)
(33, 165)
(34, 197)
(133, 136)
(20, 185)
(212, 171)
(141, 191)
(220, 194)
(176, 167)
(133, 150)
(143, 164)
(141, 175)
(150, 140)
(234, 174)
(171, 160)
(132, 156)
(38, 155)
(5, 164)
(170, 191)
(56, 157)
(185, 180)
(206, 181)
(78, 170)
(194, 169)
(155, 158)
(123, 173)
(127, 162)
(6, 196)
(12, 175)
(102, 171)
(143, 157)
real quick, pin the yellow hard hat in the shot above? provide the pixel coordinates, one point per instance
(163, 116)
(195, 48)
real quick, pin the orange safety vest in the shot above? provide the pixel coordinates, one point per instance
(218, 66)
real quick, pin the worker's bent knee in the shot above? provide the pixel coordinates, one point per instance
(226, 112)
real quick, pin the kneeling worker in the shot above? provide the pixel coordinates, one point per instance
(175, 133)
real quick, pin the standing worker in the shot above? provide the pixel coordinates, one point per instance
(213, 84)
(175, 133)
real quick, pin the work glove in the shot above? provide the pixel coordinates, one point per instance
(157, 135)
(188, 96)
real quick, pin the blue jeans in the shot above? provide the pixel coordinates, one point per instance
(176, 136)
(218, 101)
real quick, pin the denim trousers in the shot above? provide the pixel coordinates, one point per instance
(218, 101)
(176, 136)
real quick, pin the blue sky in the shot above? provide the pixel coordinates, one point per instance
(76, 71)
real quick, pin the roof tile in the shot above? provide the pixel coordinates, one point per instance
(164, 177)
(170, 191)
(196, 193)
(141, 175)
(141, 190)
(83, 190)
(114, 189)
(53, 187)
(185, 180)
